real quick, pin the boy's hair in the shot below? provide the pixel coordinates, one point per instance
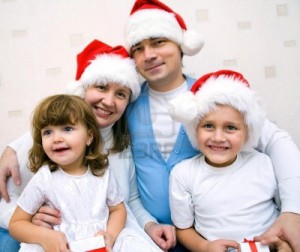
(60, 110)
(224, 87)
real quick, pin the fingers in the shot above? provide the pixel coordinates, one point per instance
(170, 236)
(46, 217)
(3, 190)
(8, 167)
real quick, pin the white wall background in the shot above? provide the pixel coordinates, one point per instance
(39, 41)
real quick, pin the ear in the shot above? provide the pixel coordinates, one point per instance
(90, 138)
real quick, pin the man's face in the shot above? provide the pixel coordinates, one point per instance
(158, 60)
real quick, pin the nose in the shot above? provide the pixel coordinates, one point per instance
(218, 136)
(149, 52)
(57, 137)
(108, 99)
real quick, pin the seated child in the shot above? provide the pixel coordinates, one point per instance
(226, 194)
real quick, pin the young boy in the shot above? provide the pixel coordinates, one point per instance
(226, 194)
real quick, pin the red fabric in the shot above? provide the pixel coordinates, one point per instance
(201, 81)
(154, 4)
(94, 49)
(252, 245)
(98, 250)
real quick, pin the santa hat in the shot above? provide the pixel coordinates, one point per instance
(100, 63)
(153, 19)
(224, 87)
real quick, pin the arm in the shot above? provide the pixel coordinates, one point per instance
(191, 240)
(14, 155)
(285, 157)
(116, 221)
(21, 228)
(163, 235)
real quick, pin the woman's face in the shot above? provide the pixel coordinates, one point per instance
(108, 102)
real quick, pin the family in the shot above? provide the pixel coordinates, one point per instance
(172, 164)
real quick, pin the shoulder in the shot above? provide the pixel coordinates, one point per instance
(187, 164)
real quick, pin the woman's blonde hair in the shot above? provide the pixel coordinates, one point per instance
(60, 110)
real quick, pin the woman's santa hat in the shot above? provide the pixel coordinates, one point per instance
(100, 63)
(153, 19)
(224, 87)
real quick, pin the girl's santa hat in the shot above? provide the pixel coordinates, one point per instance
(224, 87)
(153, 19)
(100, 63)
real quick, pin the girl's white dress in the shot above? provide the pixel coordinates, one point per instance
(83, 202)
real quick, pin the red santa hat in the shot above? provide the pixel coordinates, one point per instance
(153, 19)
(100, 63)
(224, 87)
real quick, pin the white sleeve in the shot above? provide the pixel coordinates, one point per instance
(21, 146)
(33, 196)
(182, 209)
(285, 156)
(134, 201)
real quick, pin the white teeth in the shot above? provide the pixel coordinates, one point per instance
(103, 111)
(218, 148)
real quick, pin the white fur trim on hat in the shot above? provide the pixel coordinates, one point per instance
(111, 68)
(154, 23)
(223, 90)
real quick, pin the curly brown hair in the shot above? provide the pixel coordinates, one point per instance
(60, 110)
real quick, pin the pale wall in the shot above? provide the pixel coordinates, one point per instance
(39, 41)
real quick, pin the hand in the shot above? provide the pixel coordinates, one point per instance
(278, 245)
(286, 228)
(55, 241)
(8, 167)
(107, 239)
(163, 235)
(221, 245)
(46, 217)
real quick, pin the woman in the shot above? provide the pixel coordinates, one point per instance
(107, 80)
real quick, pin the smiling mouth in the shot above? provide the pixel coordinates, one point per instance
(103, 112)
(60, 149)
(149, 68)
(218, 148)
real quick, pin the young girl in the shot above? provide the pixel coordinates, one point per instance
(227, 193)
(71, 175)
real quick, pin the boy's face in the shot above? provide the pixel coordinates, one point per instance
(221, 135)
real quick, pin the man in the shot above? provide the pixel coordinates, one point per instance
(157, 38)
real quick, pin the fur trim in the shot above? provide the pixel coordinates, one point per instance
(112, 69)
(154, 23)
(150, 23)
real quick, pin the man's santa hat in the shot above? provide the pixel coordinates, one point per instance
(153, 19)
(100, 63)
(224, 87)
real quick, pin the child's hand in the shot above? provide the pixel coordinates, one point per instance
(221, 245)
(107, 239)
(55, 241)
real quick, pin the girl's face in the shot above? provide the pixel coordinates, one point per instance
(66, 145)
(108, 102)
(221, 135)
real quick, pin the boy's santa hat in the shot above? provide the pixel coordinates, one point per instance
(153, 19)
(224, 87)
(100, 63)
